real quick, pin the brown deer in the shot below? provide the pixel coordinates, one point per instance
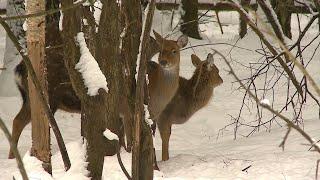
(192, 95)
(164, 77)
(62, 96)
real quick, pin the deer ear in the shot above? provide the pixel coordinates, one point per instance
(210, 58)
(158, 37)
(182, 41)
(195, 60)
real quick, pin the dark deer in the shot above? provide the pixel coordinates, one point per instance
(192, 95)
(62, 95)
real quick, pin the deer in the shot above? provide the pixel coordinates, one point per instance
(192, 95)
(163, 77)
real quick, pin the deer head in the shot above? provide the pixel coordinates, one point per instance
(207, 70)
(169, 56)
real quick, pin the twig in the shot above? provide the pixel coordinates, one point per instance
(317, 168)
(246, 17)
(285, 138)
(220, 26)
(15, 151)
(212, 44)
(40, 94)
(123, 168)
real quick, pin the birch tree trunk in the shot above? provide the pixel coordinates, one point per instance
(11, 56)
(36, 51)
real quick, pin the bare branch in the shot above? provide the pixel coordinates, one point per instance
(285, 119)
(42, 13)
(285, 138)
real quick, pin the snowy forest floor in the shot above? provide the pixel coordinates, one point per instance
(195, 150)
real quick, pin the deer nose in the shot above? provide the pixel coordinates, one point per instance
(221, 80)
(163, 62)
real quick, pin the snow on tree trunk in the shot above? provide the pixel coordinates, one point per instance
(11, 56)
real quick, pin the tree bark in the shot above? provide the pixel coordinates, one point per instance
(143, 154)
(129, 53)
(40, 123)
(108, 55)
(243, 24)
(190, 23)
(101, 111)
(284, 15)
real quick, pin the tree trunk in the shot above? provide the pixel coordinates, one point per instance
(190, 23)
(129, 53)
(101, 111)
(108, 55)
(243, 24)
(284, 15)
(143, 153)
(36, 47)
(11, 56)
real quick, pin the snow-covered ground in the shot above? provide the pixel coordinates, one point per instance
(195, 151)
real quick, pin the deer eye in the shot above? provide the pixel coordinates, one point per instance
(174, 51)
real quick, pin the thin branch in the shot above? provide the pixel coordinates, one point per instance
(139, 116)
(285, 119)
(15, 151)
(43, 13)
(40, 94)
(317, 168)
(285, 138)
(245, 16)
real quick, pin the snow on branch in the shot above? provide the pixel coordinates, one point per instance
(110, 135)
(89, 69)
(265, 102)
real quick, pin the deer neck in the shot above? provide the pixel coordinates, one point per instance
(167, 83)
(200, 91)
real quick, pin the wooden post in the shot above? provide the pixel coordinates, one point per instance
(36, 46)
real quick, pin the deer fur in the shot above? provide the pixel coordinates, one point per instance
(164, 77)
(62, 95)
(192, 95)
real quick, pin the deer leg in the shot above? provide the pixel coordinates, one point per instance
(19, 123)
(165, 132)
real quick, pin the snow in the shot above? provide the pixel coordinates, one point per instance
(89, 69)
(61, 20)
(97, 12)
(147, 115)
(3, 4)
(25, 25)
(265, 102)
(198, 150)
(110, 135)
